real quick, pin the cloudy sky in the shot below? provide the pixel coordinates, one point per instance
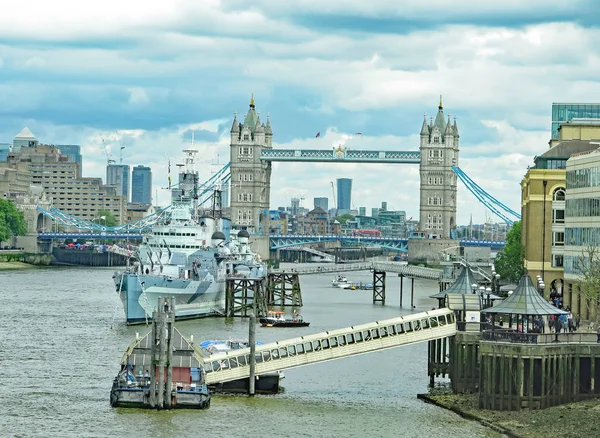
(145, 74)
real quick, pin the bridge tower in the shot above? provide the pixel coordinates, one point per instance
(250, 177)
(439, 152)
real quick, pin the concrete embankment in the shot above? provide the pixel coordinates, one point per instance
(22, 260)
(570, 420)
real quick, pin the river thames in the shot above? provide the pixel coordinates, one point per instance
(63, 335)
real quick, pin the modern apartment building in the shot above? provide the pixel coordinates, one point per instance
(582, 224)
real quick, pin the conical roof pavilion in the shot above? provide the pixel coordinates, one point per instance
(462, 284)
(525, 300)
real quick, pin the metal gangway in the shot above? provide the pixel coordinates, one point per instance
(330, 345)
(395, 267)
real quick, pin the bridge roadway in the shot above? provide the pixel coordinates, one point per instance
(330, 345)
(395, 267)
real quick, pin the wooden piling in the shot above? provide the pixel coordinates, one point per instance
(252, 341)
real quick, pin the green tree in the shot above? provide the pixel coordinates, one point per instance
(106, 218)
(587, 266)
(343, 218)
(510, 261)
(12, 221)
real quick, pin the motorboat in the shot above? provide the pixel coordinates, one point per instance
(280, 319)
(339, 280)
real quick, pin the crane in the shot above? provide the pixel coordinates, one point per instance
(109, 160)
(334, 200)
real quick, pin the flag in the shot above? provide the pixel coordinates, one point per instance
(102, 217)
(318, 134)
(358, 133)
(169, 172)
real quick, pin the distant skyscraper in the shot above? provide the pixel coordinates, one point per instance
(344, 194)
(24, 139)
(73, 151)
(118, 175)
(141, 185)
(383, 206)
(375, 212)
(321, 202)
(4, 150)
(362, 211)
(295, 206)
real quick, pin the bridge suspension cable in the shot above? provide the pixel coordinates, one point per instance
(495, 206)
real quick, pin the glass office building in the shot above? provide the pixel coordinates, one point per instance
(73, 152)
(566, 112)
(344, 194)
(141, 185)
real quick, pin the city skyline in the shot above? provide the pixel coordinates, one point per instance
(341, 68)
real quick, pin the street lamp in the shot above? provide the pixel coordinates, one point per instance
(474, 287)
(488, 291)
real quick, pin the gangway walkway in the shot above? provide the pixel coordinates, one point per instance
(330, 345)
(395, 267)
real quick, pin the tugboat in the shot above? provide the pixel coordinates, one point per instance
(161, 370)
(279, 319)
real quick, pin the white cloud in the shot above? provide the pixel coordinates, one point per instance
(138, 96)
(145, 74)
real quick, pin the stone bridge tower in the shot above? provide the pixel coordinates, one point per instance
(439, 152)
(250, 177)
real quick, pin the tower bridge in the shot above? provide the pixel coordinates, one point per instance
(249, 171)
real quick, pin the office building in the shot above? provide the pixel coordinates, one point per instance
(322, 203)
(344, 194)
(362, 211)
(566, 112)
(384, 206)
(5, 148)
(24, 139)
(45, 166)
(374, 212)
(141, 185)
(118, 175)
(73, 153)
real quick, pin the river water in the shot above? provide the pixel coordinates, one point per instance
(62, 335)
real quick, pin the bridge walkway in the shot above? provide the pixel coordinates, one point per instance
(395, 267)
(330, 345)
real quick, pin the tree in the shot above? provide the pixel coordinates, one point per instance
(12, 221)
(343, 218)
(587, 267)
(510, 261)
(106, 218)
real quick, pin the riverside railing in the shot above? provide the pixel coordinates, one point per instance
(539, 338)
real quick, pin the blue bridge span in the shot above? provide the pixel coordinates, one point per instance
(280, 241)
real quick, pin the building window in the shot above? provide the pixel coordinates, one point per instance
(558, 238)
(557, 260)
(559, 194)
(246, 137)
(558, 216)
(436, 139)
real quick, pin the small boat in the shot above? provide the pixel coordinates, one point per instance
(339, 280)
(265, 383)
(279, 319)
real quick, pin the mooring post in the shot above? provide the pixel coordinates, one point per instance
(252, 340)
(160, 328)
(412, 293)
(401, 287)
(169, 331)
(153, 361)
